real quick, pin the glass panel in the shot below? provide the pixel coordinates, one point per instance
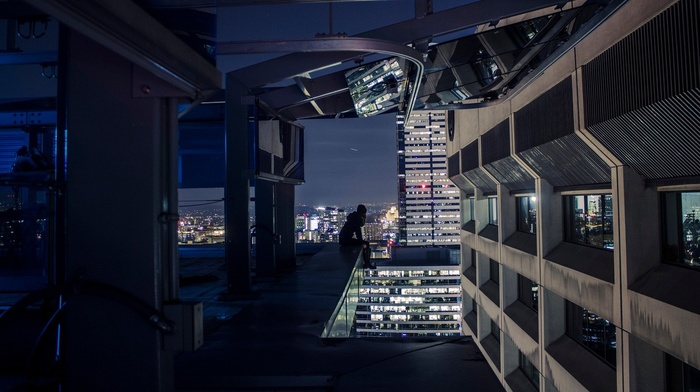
(682, 228)
(594, 220)
(592, 331)
(493, 211)
(471, 208)
(529, 369)
(608, 242)
(681, 377)
(24, 238)
(526, 214)
(528, 292)
(589, 220)
(340, 324)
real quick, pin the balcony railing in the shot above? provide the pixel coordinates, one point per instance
(342, 321)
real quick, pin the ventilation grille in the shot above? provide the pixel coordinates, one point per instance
(547, 118)
(481, 180)
(509, 173)
(470, 156)
(659, 141)
(567, 162)
(657, 61)
(495, 144)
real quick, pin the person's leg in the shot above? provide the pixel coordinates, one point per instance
(367, 255)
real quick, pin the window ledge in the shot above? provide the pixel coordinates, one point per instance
(584, 366)
(525, 242)
(671, 284)
(595, 262)
(470, 226)
(490, 232)
(518, 382)
(525, 317)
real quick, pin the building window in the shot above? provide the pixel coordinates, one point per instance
(588, 220)
(493, 271)
(592, 331)
(529, 370)
(493, 210)
(528, 292)
(681, 377)
(471, 208)
(681, 228)
(526, 214)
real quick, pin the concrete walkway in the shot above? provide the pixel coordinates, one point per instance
(271, 341)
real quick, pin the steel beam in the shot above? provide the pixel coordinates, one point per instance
(131, 32)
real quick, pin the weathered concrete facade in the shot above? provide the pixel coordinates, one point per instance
(651, 303)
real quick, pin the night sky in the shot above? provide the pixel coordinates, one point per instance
(349, 161)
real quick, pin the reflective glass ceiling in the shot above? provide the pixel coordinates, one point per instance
(486, 65)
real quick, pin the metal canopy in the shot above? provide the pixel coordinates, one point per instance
(466, 55)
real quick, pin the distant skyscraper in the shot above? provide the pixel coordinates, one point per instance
(416, 293)
(428, 200)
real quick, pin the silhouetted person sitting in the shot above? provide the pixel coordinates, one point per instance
(353, 227)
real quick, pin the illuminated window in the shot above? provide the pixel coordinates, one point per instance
(588, 220)
(528, 292)
(681, 228)
(526, 214)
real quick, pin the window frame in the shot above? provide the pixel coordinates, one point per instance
(675, 230)
(574, 328)
(529, 370)
(526, 222)
(492, 202)
(585, 235)
(526, 293)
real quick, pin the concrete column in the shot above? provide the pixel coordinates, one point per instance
(286, 247)
(550, 215)
(120, 202)
(265, 229)
(237, 189)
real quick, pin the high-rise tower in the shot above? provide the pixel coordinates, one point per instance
(428, 200)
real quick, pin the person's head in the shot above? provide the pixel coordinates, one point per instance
(361, 209)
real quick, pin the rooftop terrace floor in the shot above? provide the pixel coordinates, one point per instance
(270, 341)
